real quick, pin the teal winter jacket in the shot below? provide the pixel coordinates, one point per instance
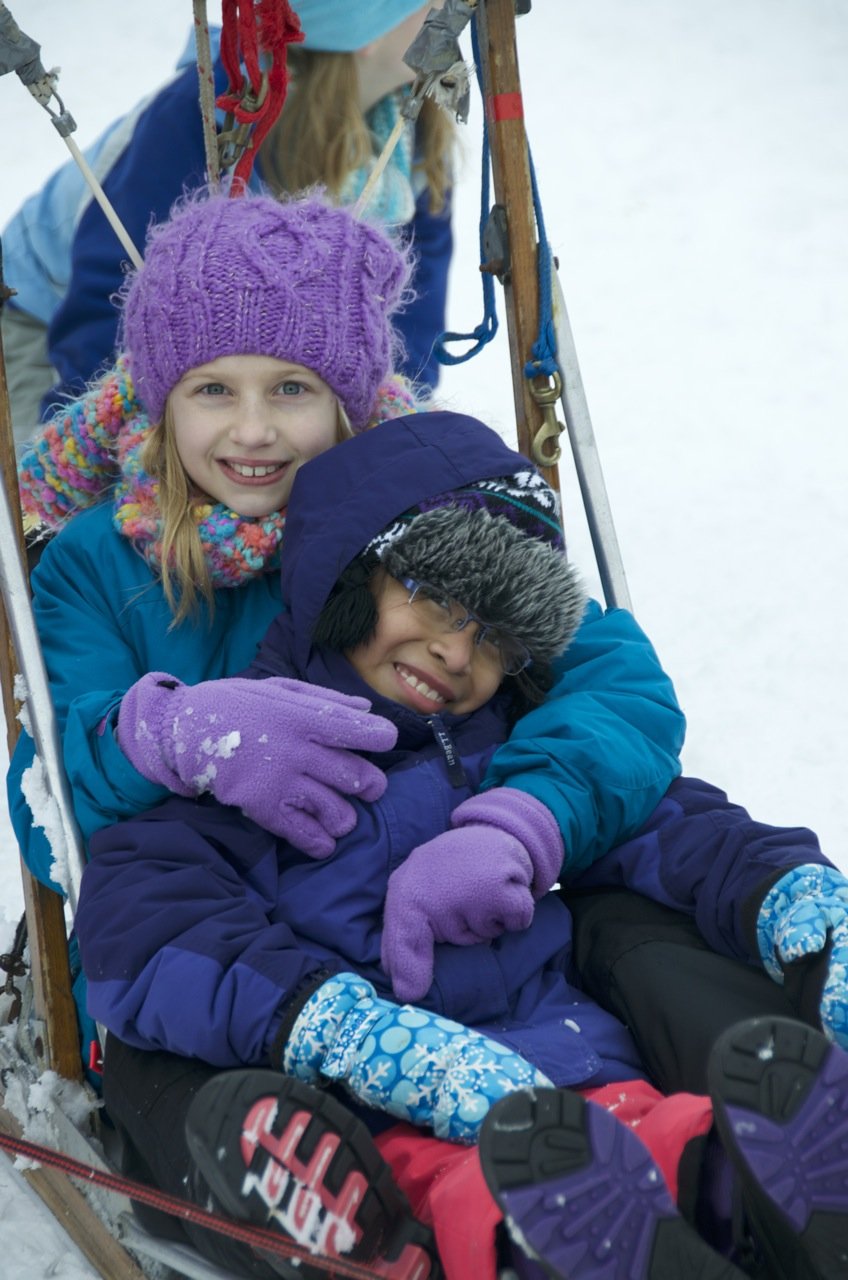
(600, 753)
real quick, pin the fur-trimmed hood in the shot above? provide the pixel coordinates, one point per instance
(351, 498)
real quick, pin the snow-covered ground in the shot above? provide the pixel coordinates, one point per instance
(693, 167)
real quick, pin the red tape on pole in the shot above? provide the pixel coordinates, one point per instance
(506, 106)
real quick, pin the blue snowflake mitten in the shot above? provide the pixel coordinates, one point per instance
(406, 1061)
(799, 913)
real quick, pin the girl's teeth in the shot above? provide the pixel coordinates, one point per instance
(251, 472)
(421, 687)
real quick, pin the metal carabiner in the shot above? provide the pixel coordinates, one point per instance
(551, 428)
(233, 141)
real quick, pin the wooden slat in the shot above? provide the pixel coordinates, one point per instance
(76, 1216)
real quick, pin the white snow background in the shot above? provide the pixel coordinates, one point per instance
(693, 169)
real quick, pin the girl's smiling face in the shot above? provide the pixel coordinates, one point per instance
(425, 668)
(244, 424)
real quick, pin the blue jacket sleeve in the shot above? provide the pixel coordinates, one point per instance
(163, 157)
(178, 939)
(423, 321)
(92, 633)
(705, 856)
(604, 747)
(103, 623)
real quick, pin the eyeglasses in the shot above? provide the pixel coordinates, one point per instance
(440, 612)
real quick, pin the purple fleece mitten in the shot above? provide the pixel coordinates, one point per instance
(469, 884)
(280, 750)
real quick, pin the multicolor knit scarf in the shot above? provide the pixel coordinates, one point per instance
(392, 201)
(93, 448)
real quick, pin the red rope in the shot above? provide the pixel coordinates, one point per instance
(256, 1237)
(248, 31)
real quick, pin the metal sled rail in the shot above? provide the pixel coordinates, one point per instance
(42, 720)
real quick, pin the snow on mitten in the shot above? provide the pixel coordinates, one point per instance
(281, 750)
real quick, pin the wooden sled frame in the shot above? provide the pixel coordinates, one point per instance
(48, 1022)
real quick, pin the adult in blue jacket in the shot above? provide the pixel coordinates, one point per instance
(66, 264)
(208, 938)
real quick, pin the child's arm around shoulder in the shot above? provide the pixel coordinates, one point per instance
(84, 575)
(604, 747)
(85, 592)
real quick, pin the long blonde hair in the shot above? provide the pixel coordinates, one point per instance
(321, 136)
(186, 579)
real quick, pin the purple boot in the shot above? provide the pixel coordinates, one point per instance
(581, 1194)
(780, 1096)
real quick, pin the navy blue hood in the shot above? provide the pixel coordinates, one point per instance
(346, 496)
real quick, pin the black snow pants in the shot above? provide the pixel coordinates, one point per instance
(147, 1095)
(651, 967)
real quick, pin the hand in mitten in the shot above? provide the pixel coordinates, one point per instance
(804, 911)
(280, 750)
(469, 884)
(408, 1062)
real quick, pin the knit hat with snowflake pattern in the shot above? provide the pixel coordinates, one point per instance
(299, 280)
(495, 546)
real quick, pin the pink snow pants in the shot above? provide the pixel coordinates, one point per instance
(444, 1182)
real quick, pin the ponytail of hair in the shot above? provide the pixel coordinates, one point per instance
(321, 136)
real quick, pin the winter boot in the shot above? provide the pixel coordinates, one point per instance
(278, 1153)
(581, 1194)
(780, 1097)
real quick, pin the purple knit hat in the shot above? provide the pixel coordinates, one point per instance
(299, 280)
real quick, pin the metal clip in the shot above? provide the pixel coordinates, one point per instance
(551, 428)
(12, 963)
(448, 89)
(496, 244)
(436, 58)
(234, 139)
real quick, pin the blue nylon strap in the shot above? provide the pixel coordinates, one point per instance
(482, 335)
(543, 353)
(543, 361)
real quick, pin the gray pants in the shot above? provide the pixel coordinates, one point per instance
(29, 374)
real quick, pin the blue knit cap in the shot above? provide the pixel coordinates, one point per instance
(337, 26)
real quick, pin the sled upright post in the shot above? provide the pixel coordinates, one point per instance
(536, 398)
(504, 109)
